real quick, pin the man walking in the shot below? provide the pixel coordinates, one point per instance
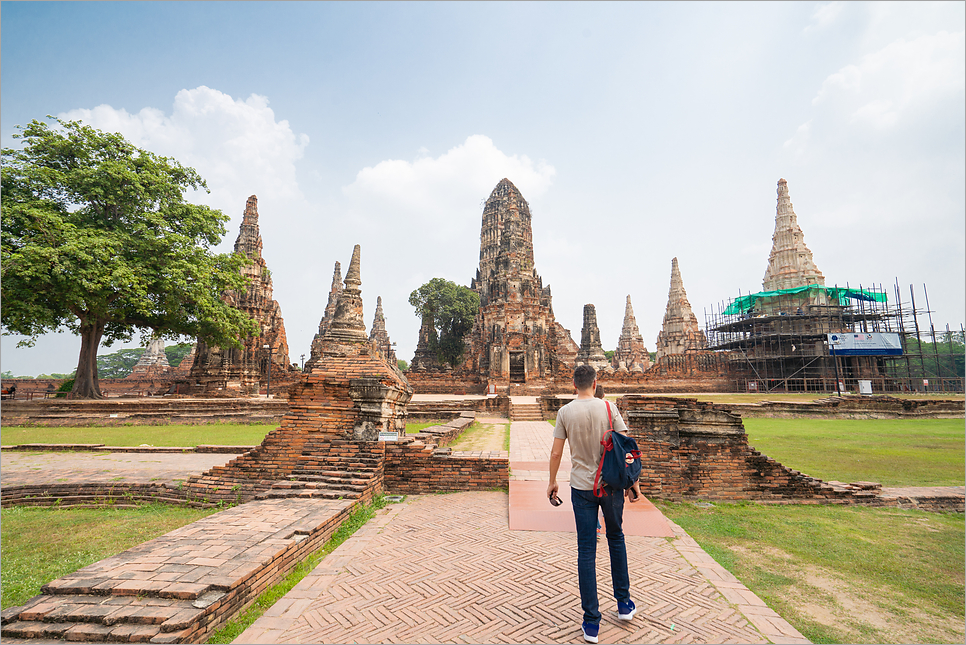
(583, 423)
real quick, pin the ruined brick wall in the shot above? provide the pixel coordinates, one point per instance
(692, 450)
(491, 405)
(141, 411)
(443, 382)
(413, 468)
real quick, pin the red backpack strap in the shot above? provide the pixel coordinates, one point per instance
(608, 444)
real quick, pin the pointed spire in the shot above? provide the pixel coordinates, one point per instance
(249, 240)
(379, 337)
(679, 332)
(347, 324)
(790, 263)
(631, 351)
(591, 353)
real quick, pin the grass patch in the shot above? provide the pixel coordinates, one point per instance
(798, 397)
(506, 437)
(893, 452)
(839, 573)
(234, 627)
(43, 544)
(413, 428)
(226, 434)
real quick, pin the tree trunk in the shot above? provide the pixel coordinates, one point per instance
(86, 385)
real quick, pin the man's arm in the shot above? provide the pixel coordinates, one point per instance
(556, 454)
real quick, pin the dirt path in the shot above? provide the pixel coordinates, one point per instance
(486, 434)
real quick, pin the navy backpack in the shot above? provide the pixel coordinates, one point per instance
(620, 466)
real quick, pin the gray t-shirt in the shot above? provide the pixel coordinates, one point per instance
(583, 422)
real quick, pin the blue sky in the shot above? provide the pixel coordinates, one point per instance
(638, 132)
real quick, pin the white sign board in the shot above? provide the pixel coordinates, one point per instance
(865, 344)
(388, 436)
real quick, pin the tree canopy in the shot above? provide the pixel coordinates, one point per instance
(97, 237)
(453, 309)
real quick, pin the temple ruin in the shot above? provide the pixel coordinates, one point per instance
(243, 371)
(679, 331)
(591, 353)
(631, 354)
(379, 337)
(153, 362)
(334, 291)
(778, 338)
(515, 341)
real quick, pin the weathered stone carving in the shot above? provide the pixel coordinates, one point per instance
(790, 263)
(631, 353)
(226, 370)
(591, 353)
(679, 332)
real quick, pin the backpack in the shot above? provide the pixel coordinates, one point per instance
(620, 465)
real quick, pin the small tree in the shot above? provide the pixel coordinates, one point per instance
(452, 309)
(97, 237)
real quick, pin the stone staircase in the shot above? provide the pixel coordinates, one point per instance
(525, 412)
(336, 478)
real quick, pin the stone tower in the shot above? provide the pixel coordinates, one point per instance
(152, 363)
(423, 358)
(679, 332)
(379, 337)
(591, 353)
(243, 370)
(631, 353)
(515, 338)
(334, 291)
(327, 445)
(790, 263)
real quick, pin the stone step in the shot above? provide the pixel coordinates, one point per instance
(526, 412)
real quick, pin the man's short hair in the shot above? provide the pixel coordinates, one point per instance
(584, 376)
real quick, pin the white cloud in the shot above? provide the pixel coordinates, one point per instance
(825, 15)
(236, 145)
(899, 79)
(433, 190)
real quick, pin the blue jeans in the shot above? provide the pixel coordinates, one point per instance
(585, 513)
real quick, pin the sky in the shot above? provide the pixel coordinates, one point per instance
(638, 132)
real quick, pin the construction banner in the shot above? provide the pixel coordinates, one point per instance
(865, 344)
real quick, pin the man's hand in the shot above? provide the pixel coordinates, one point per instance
(552, 489)
(633, 493)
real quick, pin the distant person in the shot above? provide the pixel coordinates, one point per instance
(583, 423)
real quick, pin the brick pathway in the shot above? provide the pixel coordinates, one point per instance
(21, 469)
(447, 569)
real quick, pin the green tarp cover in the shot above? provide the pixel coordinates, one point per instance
(745, 304)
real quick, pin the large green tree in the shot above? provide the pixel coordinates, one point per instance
(452, 308)
(97, 237)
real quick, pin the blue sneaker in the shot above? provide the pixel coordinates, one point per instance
(590, 631)
(626, 610)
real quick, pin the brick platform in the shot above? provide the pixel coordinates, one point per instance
(181, 586)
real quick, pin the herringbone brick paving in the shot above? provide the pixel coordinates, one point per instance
(446, 569)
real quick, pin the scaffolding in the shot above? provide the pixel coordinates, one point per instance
(778, 341)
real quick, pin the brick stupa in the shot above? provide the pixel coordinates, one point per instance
(379, 337)
(790, 263)
(515, 338)
(591, 353)
(153, 362)
(679, 331)
(327, 445)
(631, 353)
(334, 291)
(225, 370)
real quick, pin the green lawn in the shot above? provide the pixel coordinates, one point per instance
(893, 452)
(224, 434)
(43, 544)
(842, 574)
